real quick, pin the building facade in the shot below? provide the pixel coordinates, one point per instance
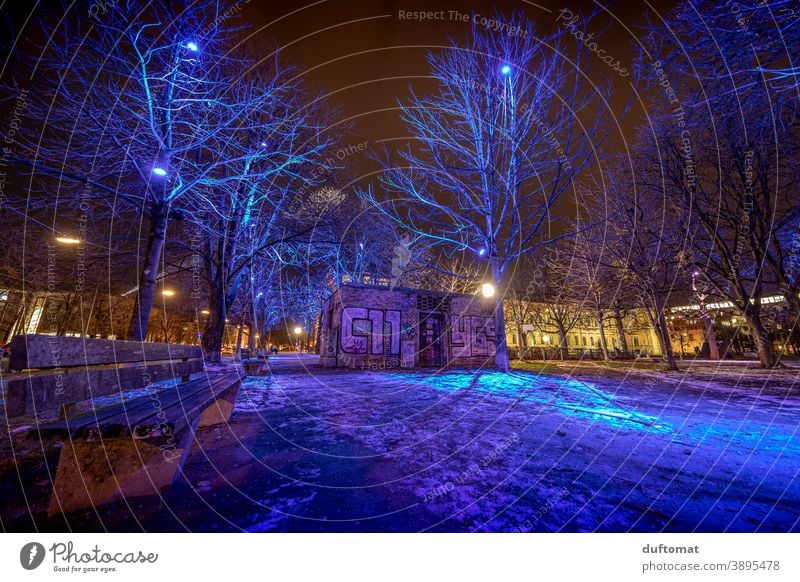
(539, 336)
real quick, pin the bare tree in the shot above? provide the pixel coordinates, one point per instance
(727, 151)
(638, 222)
(133, 107)
(495, 147)
(550, 288)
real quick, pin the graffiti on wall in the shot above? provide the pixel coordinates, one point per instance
(370, 331)
(471, 335)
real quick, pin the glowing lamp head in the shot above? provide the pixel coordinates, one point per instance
(192, 46)
(298, 330)
(481, 252)
(487, 290)
(68, 240)
(168, 293)
(159, 171)
(505, 70)
(205, 312)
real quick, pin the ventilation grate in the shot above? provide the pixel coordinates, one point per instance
(433, 303)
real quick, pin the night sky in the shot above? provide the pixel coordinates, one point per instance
(365, 56)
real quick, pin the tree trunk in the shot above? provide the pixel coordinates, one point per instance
(220, 302)
(149, 276)
(623, 341)
(239, 334)
(663, 333)
(711, 337)
(766, 353)
(562, 340)
(523, 345)
(251, 337)
(601, 328)
(501, 362)
(214, 332)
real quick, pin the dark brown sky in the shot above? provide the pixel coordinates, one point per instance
(366, 56)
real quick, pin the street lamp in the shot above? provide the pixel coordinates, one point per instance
(505, 70)
(297, 331)
(488, 290)
(168, 293)
(192, 46)
(159, 171)
(68, 240)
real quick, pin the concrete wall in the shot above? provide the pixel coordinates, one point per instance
(367, 326)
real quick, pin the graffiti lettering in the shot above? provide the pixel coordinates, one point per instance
(360, 324)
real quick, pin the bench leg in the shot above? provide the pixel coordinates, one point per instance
(92, 473)
(221, 409)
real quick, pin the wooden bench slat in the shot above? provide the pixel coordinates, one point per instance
(28, 394)
(181, 414)
(117, 420)
(172, 406)
(45, 351)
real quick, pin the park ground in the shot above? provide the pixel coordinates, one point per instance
(547, 448)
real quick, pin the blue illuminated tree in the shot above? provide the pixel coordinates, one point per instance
(255, 201)
(514, 121)
(133, 106)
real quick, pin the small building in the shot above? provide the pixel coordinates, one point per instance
(369, 326)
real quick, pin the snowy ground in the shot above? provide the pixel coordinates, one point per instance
(336, 450)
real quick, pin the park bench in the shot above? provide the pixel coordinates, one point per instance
(254, 363)
(132, 448)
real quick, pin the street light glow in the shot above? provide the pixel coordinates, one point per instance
(205, 312)
(506, 70)
(298, 330)
(487, 289)
(168, 292)
(481, 252)
(192, 46)
(68, 240)
(159, 171)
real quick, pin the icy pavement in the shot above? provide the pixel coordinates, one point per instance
(337, 450)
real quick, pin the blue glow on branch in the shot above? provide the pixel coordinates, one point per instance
(505, 70)
(192, 46)
(159, 171)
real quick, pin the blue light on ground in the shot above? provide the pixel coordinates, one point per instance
(569, 397)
